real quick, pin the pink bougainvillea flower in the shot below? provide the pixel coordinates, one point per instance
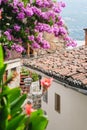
(29, 109)
(28, 22)
(46, 82)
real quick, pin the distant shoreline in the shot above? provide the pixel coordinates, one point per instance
(80, 42)
(74, 15)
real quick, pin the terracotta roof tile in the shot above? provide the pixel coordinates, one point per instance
(84, 81)
(70, 65)
(78, 76)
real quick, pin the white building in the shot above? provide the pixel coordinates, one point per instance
(66, 108)
(66, 99)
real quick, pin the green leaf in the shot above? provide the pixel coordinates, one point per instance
(41, 123)
(2, 65)
(2, 70)
(23, 123)
(1, 57)
(3, 124)
(15, 122)
(14, 94)
(4, 111)
(38, 119)
(25, 2)
(51, 23)
(21, 127)
(15, 105)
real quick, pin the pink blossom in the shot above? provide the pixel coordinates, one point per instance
(62, 30)
(45, 44)
(74, 43)
(27, 22)
(18, 48)
(29, 11)
(29, 109)
(35, 45)
(36, 11)
(16, 27)
(31, 38)
(62, 4)
(21, 16)
(46, 82)
(7, 33)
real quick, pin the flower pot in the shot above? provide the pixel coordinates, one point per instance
(25, 84)
(34, 86)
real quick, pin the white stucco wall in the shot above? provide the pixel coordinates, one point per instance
(73, 115)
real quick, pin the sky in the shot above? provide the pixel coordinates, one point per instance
(75, 16)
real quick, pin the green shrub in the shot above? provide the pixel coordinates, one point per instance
(25, 72)
(34, 76)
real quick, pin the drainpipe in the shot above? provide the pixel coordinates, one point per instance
(85, 36)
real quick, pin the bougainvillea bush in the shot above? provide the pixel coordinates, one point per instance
(24, 21)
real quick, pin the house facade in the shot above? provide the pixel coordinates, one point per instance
(66, 108)
(66, 100)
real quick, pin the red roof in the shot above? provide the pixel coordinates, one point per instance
(69, 66)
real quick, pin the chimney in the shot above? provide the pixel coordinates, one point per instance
(85, 36)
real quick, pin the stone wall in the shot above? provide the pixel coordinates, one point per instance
(55, 44)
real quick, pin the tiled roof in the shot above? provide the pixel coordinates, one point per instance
(68, 66)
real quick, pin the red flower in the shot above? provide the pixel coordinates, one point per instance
(29, 109)
(46, 82)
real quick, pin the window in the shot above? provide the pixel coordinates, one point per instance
(57, 103)
(13, 69)
(45, 97)
(14, 72)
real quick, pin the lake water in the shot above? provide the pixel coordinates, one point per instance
(75, 16)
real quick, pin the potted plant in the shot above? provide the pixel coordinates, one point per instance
(35, 82)
(34, 76)
(24, 72)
